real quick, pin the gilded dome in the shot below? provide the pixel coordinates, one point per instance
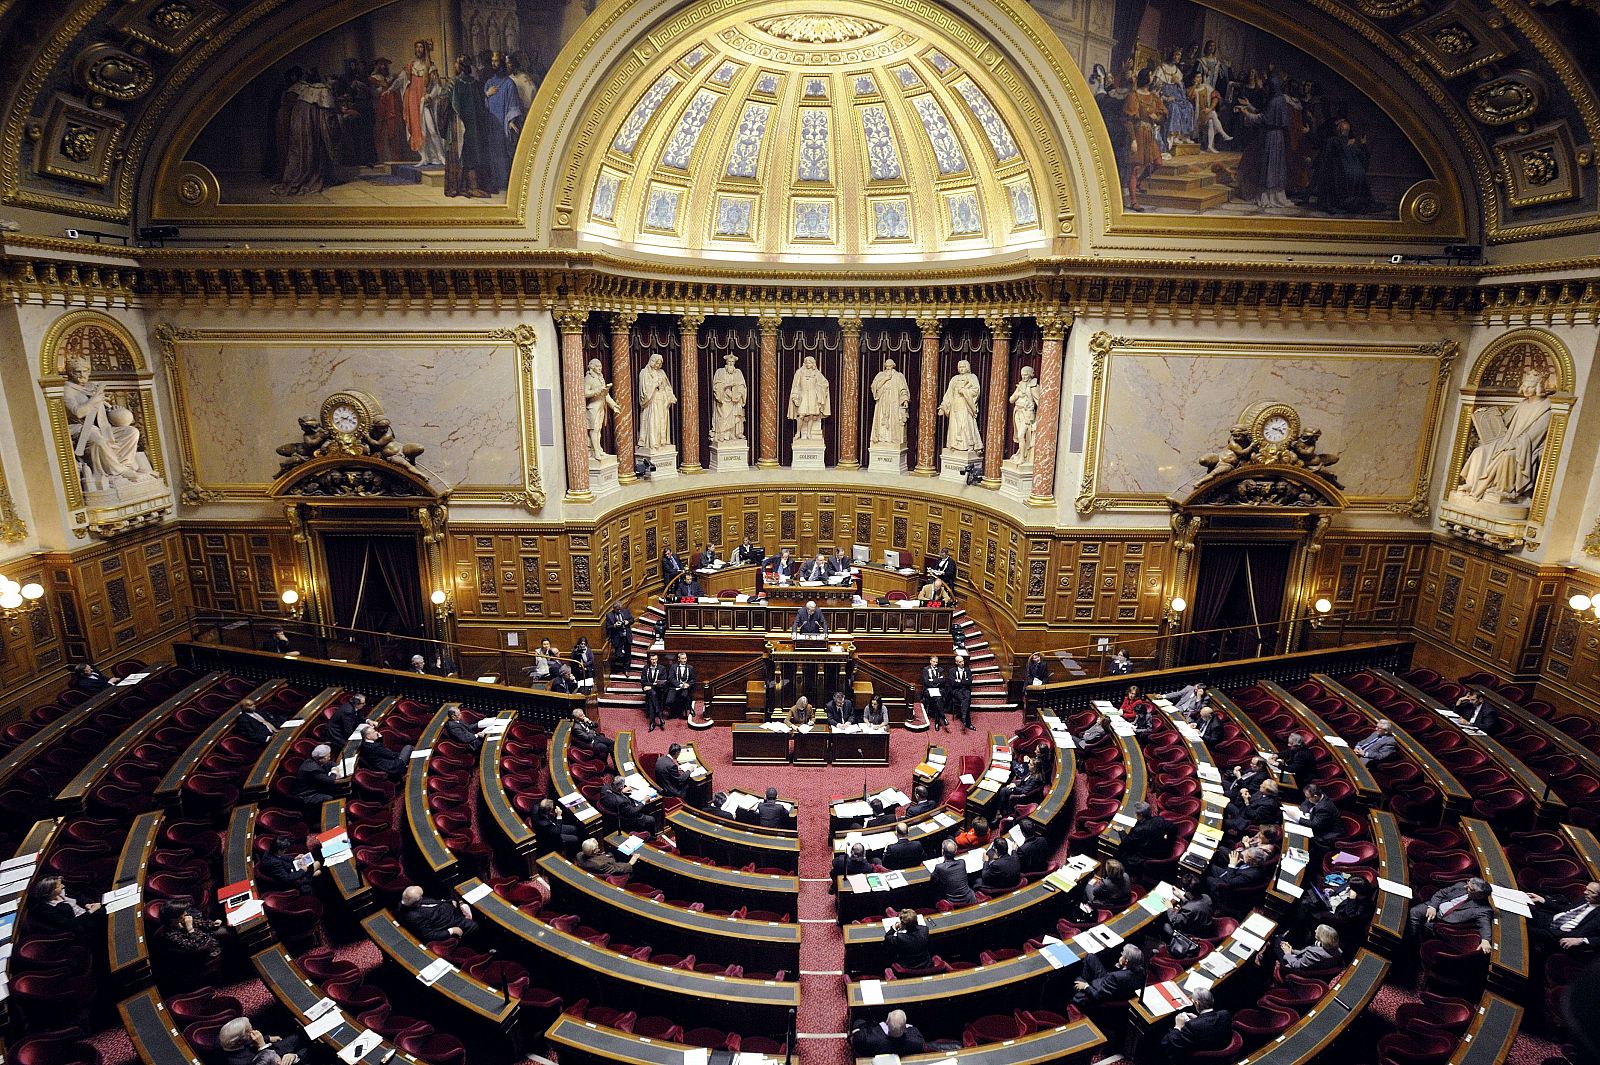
(798, 136)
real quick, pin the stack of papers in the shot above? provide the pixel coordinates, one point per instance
(1510, 899)
(1058, 954)
(1217, 964)
(131, 679)
(121, 898)
(1164, 998)
(482, 891)
(435, 971)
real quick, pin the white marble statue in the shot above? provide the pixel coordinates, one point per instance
(655, 406)
(1024, 414)
(1505, 465)
(891, 403)
(960, 408)
(729, 393)
(597, 397)
(104, 437)
(808, 400)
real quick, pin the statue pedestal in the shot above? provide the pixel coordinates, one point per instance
(602, 475)
(665, 459)
(1016, 479)
(809, 455)
(887, 459)
(951, 463)
(730, 455)
(1503, 526)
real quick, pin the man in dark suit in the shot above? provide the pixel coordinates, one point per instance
(618, 625)
(680, 691)
(839, 564)
(920, 802)
(587, 734)
(1150, 838)
(1566, 924)
(419, 665)
(551, 832)
(945, 570)
(809, 621)
(706, 558)
(1199, 1028)
(959, 681)
(431, 920)
(346, 716)
(1379, 746)
(1322, 818)
(892, 1036)
(1250, 776)
(1478, 711)
(880, 817)
(278, 872)
(564, 682)
(379, 758)
(672, 780)
(457, 730)
(629, 812)
(908, 942)
(1189, 912)
(933, 693)
(840, 712)
(653, 680)
(1036, 851)
(1247, 870)
(1297, 762)
(1209, 725)
(670, 567)
(277, 642)
(689, 588)
(1097, 983)
(816, 569)
(1001, 870)
(313, 780)
(903, 853)
(949, 878)
(782, 567)
(1463, 905)
(772, 813)
(1259, 807)
(252, 725)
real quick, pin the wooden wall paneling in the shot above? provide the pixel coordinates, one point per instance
(117, 598)
(233, 567)
(1372, 579)
(1498, 611)
(32, 646)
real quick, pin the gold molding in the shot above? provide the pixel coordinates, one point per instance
(529, 493)
(1103, 345)
(13, 530)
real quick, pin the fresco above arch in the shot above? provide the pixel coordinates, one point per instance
(419, 103)
(1211, 116)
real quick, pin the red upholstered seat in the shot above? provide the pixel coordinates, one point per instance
(994, 1028)
(436, 1049)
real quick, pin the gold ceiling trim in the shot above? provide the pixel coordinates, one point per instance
(817, 29)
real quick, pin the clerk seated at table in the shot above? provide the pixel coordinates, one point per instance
(904, 852)
(688, 588)
(782, 567)
(934, 593)
(749, 554)
(840, 564)
(706, 557)
(816, 569)
(907, 941)
(840, 710)
(809, 621)
(803, 713)
(875, 714)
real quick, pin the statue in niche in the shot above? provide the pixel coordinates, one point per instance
(729, 393)
(891, 399)
(960, 408)
(808, 401)
(1504, 467)
(1025, 414)
(655, 406)
(104, 438)
(600, 403)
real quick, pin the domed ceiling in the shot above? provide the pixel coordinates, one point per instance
(827, 135)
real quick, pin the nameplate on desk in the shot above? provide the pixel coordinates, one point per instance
(421, 753)
(871, 992)
(295, 723)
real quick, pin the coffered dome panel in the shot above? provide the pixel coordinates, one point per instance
(818, 136)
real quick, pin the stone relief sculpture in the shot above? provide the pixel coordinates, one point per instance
(891, 403)
(1504, 467)
(960, 408)
(655, 406)
(104, 437)
(599, 403)
(729, 394)
(809, 402)
(1024, 414)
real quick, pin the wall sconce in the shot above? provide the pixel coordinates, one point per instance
(442, 606)
(1320, 611)
(19, 599)
(293, 604)
(1175, 609)
(1586, 609)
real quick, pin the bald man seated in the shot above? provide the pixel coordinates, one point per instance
(431, 920)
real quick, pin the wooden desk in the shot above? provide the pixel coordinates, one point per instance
(127, 953)
(1367, 791)
(754, 745)
(425, 837)
(716, 884)
(71, 798)
(1588, 847)
(1546, 801)
(964, 931)
(100, 701)
(770, 945)
(813, 746)
(1456, 797)
(1136, 783)
(732, 845)
(587, 1043)
(1048, 814)
(860, 748)
(1388, 926)
(1489, 1037)
(562, 787)
(1510, 955)
(170, 790)
(154, 1031)
(1532, 722)
(509, 827)
(346, 875)
(291, 988)
(1147, 1023)
(238, 864)
(259, 782)
(1347, 999)
(688, 997)
(456, 992)
(1067, 1045)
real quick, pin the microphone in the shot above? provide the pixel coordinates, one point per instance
(505, 985)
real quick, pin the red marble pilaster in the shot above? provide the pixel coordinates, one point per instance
(1054, 327)
(622, 391)
(928, 402)
(574, 412)
(850, 395)
(771, 416)
(994, 431)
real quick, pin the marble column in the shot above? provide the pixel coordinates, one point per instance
(689, 390)
(994, 431)
(767, 406)
(928, 402)
(575, 413)
(1054, 328)
(622, 391)
(850, 395)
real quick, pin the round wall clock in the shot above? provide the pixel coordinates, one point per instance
(1272, 425)
(349, 414)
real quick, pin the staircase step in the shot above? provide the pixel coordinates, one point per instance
(1200, 201)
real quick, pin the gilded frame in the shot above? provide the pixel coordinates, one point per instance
(1103, 346)
(529, 493)
(1561, 403)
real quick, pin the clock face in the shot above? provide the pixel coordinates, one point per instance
(1275, 430)
(344, 418)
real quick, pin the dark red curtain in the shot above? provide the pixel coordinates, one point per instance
(719, 337)
(900, 341)
(396, 561)
(344, 557)
(375, 582)
(657, 334)
(820, 339)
